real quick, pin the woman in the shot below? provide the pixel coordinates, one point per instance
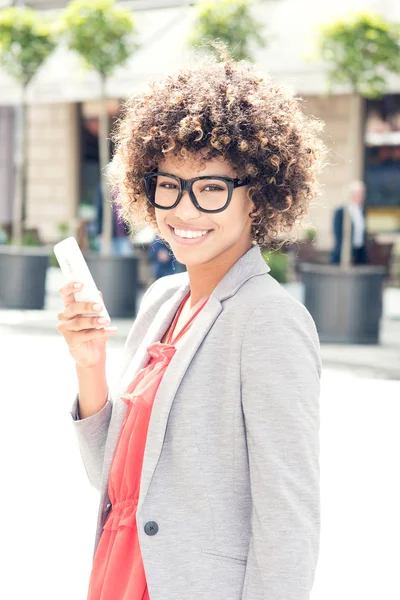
(207, 452)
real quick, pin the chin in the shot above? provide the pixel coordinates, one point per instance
(205, 257)
(190, 258)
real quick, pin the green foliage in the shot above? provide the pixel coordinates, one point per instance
(26, 40)
(4, 237)
(278, 262)
(63, 230)
(361, 51)
(102, 33)
(310, 234)
(229, 21)
(30, 237)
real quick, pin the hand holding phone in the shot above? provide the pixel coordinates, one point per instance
(74, 268)
(79, 321)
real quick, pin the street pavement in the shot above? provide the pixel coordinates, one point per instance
(372, 361)
(49, 508)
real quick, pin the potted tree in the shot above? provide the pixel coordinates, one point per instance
(104, 36)
(229, 21)
(26, 40)
(346, 300)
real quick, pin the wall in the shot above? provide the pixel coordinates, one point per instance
(6, 163)
(53, 172)
(53, 162)
(335, 112)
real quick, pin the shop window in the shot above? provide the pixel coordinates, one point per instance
(382, 163)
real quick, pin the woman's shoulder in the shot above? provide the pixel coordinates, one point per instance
(269, 304)
(263, 290)
(278, 322)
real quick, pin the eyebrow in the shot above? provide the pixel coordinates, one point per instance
(206, 175)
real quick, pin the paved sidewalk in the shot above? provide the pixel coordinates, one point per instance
(380, 361)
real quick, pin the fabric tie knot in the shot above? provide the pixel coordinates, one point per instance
(160, 351)
(145, 384)
(123, 514)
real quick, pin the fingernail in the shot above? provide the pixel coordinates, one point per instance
(103, 320)
(77, 285)
(111, 328)
(96, 306)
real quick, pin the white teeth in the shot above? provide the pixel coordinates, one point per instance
(189, 234)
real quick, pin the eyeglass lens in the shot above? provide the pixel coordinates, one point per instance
(211, 194)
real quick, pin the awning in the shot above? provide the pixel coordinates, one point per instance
(290, 28)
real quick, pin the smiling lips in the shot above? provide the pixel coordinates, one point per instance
(189, 234)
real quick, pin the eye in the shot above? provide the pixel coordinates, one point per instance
(213, 187)
(168, 185)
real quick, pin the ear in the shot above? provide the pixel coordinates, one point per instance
(250, 202)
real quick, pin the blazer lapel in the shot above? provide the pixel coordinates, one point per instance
(169, 385)
(159, 325)
(251, 264)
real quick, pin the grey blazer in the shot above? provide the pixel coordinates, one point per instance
(229, 505)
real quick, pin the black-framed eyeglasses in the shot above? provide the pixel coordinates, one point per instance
(209, 193)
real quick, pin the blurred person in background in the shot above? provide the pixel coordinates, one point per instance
(358, 226)
(206, 456)
(162, 259)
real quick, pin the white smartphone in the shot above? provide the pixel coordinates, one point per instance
(74, 268)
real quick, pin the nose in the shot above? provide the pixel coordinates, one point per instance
(186, 209)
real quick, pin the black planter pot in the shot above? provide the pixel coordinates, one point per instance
(117, 279)
(345, 305)
(23, 277)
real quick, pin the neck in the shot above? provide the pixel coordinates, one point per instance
(204, 278)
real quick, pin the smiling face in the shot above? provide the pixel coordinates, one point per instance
(184, 227)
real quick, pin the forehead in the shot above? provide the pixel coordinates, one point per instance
(195, 166)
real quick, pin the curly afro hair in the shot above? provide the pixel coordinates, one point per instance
(221, 108)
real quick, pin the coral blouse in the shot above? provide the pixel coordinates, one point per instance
(118, 572)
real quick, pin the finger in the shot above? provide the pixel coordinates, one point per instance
(82, 308)
(83, 323)
(67, 292)
(90, 335)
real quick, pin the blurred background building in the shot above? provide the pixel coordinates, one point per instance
(63, 113)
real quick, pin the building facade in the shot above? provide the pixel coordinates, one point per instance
(63, 111)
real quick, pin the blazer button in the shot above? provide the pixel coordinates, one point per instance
(151, 528)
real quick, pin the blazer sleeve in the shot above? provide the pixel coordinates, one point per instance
(281, 371)
(92, 431)
(92, 436)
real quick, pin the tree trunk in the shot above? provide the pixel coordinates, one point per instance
(104, 154)
(19, 203)
(356, 168)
